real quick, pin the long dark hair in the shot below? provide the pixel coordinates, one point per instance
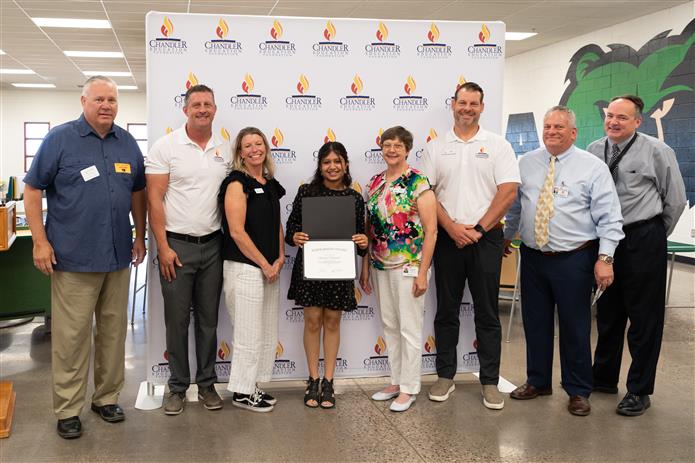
(328, 148)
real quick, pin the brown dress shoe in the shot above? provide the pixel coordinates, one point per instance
(579, 405)
(528, 391)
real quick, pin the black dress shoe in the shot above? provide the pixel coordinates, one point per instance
(110, 413)
(633, 404)
(70, 428)
(606, 389)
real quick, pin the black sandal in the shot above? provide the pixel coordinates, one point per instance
(327, 394)
(312, 392)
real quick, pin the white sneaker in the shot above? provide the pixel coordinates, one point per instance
(396, 407)
(382, 396)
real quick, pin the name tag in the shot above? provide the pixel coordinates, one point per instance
(449, 153)
(561, 191)
(89, 173)
(399, 190)
(482, 155)
(122, 167)
(410, 270)
(259, 190)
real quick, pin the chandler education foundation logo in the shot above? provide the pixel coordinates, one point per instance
(410, 101)
(224, 365)
(431, 135)
(248, 101)
(374, 156)
(470, 359)
(167, 44)
(485, 49)
(466, 311)
(362, 312)
(341, 366)
(302, 101)
(276, 47)
(224, 133)
(330, 48)
(434, 49)
(330, 135)
(295, 315)
(180, 99)
(280, 154)
(382, 48)
(282, 366)
(380, 361)
(222, 45)
(161, 369)
(357, 101)
(429, 356)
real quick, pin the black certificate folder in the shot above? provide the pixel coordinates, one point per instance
(329, 217)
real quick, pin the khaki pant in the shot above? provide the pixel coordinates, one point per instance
(77, 298)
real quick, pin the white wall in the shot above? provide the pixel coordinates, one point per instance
(535, 81)
(20, 106)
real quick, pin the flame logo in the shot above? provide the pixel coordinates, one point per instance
(329, 31)
(223, 351)
(330, 135)
(433, 34)
(410, 85)
(484, 34)
(167, 27)
(429, 344)
(276, 30)
(378, 137)
(224, 133)
(166, 355)
(279, 350)
(462, 80)
(380, 346)
(358, 293)
(222, 29)
(358, 188)
(192, 80)
(247, 85)
(277, 138)
(382, 33)
(303, 84)
(432, 135)
(169, 130)
(475, 344)
(357, 85)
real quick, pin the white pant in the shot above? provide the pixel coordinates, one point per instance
(402, 315)
(252, 303)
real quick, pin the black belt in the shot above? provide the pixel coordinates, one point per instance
(193, 239)
(559, 253)
(639, 223)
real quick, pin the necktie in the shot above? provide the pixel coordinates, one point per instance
(545, 207)
(615, 152)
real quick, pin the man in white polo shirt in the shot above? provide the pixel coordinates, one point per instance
(184, 170)
(475, 175)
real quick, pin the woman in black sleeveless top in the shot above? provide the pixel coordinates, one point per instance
(253, 253)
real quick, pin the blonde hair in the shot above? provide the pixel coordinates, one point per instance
(238, 162)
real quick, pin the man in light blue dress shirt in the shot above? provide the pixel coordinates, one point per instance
(583, 230)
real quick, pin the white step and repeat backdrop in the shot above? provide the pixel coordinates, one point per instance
(304, 81)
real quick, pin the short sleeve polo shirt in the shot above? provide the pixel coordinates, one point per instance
(465, 174)
(88, 181)
(195, 176)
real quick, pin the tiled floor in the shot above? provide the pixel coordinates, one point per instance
(360, 429)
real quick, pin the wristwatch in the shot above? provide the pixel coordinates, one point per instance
(607, 259)
(479, 228)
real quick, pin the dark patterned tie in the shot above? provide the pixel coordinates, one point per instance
(615, 152)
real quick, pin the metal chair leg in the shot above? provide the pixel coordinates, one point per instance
(515, 294)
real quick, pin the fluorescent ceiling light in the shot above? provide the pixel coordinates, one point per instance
(508, 36)
(108, 73)
(73, 22)
(34, 85)
(94, 54)
(2, 52)
(16, 71)
(127, 87)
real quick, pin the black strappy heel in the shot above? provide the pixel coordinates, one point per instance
(327, 393)
(312, 392)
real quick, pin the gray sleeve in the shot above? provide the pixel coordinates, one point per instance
(669, 183)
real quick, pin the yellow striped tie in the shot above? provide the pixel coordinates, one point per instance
(545, 207)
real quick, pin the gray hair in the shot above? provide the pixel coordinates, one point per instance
(91, 80)
(571, 117)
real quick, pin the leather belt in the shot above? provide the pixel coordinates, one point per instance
(639, 223)
(193, 239)
(558, 253)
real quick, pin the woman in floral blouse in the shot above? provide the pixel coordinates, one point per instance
(402, 228)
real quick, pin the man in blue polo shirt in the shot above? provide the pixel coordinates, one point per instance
(93, 174)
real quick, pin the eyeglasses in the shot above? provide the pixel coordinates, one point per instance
(393, 146)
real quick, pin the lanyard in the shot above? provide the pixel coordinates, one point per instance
(615, 162)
